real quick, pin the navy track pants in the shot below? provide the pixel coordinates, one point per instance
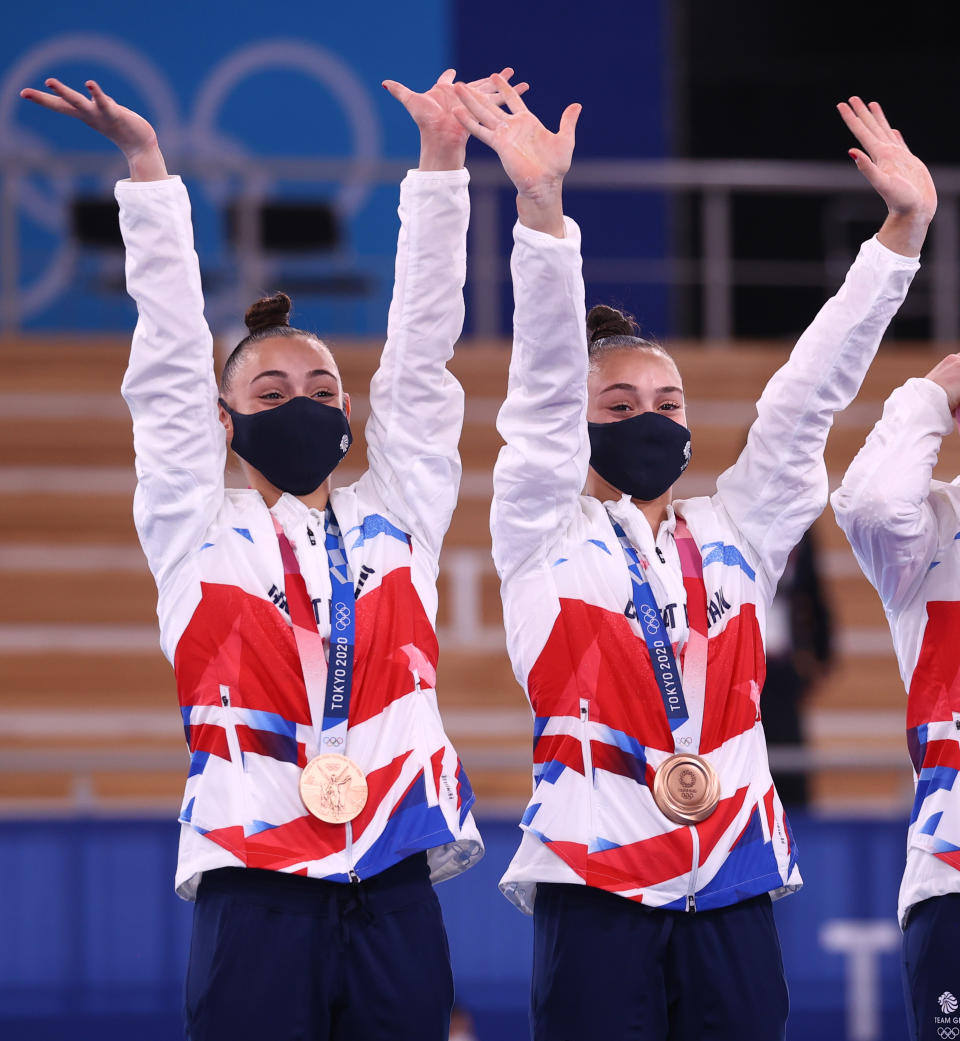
(931, 968)
(607, 967)
(288, 958)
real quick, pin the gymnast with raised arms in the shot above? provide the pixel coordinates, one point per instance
(323, 796)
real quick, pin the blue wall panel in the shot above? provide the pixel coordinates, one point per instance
(169, 65)
(614, 59)
(316, 93)
(94, 942)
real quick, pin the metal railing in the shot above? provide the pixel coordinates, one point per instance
(714, 183)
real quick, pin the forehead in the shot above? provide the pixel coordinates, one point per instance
(291, 354)
(640, 368)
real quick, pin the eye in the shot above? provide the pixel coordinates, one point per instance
(670, 406)
(271, 395)
(623, 406)
(323, 392)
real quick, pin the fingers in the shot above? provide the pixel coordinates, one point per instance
(487, 86)
(485, 83)
(867, 167)
(866, 117)
(448, 76)
(49, 101)
(46, 100)
(568, 121)
(473, 126)
(74, 97)
(901, 140)
(480, 108)
(869, 124)
(68, 101)
(398, 91)
(877, 112)
(856, 125)
(510, 96)
(100, 99)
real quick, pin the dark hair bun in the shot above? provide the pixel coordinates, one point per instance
(268, 312)
(603, 321)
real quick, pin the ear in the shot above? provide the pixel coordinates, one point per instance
(227, 421)
(346, 404)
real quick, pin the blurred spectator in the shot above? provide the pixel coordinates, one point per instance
(799, 654)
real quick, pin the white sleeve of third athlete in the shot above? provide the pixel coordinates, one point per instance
(883, 503)
(416, 404)
(778, 487)
(541, 470)
(169, 385)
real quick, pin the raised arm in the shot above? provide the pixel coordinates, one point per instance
(883, 505)
(416, 405)
(169, 385)
(778, 486)
(542, 468)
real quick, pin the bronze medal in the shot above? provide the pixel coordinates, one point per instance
(686, 788)
(333, 788)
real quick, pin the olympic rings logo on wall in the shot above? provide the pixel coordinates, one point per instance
(43, 200)
(342, 618)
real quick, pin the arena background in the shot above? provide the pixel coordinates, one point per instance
(717, 204)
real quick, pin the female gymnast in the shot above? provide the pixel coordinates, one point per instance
(904, 528)
(655, 840)
(323, 796)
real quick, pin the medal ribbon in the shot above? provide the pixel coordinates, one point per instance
(673, 685)
(328, 684)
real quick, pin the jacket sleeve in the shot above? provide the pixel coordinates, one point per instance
(883, 504)
(169, 385)
(778, 486)
(541, 470)
(416, 404)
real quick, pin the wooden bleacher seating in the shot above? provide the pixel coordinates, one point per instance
(66, 479)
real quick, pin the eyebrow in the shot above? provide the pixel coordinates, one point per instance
(631, 387)
(284, 375)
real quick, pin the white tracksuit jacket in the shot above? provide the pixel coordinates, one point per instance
(904, 528)
(600, 729)
(249, 724)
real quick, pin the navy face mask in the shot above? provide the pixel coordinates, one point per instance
(296, 445)
(642, 455)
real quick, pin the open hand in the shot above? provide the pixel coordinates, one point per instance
(130, 132)
(442, 137)
(534, 158)
(898, 175)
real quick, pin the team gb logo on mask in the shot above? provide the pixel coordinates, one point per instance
(948, 1003)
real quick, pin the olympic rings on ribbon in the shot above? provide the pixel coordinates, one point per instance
(650, 618)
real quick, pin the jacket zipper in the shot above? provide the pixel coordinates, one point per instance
(585, 741)
(694, 869)
(352, 874)
(233, 743)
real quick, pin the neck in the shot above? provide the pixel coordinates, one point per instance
(655, 511)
